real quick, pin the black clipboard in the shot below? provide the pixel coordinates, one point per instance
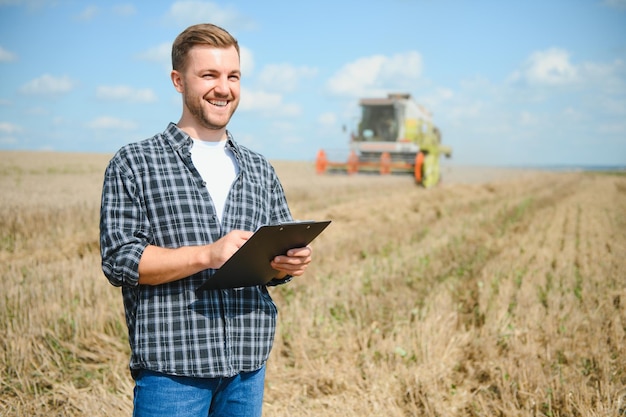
(250, 265)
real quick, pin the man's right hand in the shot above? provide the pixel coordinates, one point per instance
(226, 246)
(160, 265)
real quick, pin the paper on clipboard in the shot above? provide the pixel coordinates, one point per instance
(250, 265)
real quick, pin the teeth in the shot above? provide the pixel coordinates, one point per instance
(218, 103)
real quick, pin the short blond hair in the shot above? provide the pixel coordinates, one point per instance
(201, 34)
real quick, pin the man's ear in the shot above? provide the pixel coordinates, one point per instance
(177, 80)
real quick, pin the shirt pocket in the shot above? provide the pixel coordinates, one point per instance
(177, 210)
(251, 206)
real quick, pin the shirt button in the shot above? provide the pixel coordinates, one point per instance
(203, 183)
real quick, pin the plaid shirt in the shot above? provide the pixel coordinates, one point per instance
(153, 195)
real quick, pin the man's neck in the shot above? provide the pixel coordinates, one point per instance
(202, 133)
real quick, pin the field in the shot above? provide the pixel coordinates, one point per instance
(499, 293)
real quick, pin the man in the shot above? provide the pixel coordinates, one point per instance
(174, 208)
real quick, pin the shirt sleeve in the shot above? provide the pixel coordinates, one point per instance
(281, 214)
(123, 227)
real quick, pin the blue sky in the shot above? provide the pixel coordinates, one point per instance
(517, 82)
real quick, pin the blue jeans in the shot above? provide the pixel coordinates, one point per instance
(161, 395)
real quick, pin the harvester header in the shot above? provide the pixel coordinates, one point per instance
(393, 135)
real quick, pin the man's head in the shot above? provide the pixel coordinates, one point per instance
(206, 71)
(202, 34)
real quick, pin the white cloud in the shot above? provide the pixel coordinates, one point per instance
(609, 77)
(6, 55)
(185, 13)
(549, 67)
(247, 61)
(376, 75)
(464, 110)
(111, 123)
(600, 86)
(401, 68)
(9, 128)
(38, 111)
(329, 124)
(285, 77)
(49, 85)
(126, 93)
(551, 98)
(161, 54)
(8, 140)
(292, 140)
(616, 128)
(327, 119)
(528, 119)
(267, 103)
(87, 14)
(288, 109)
(124, 10)
(285, 133)
(437, 98)
(255, 100)
(444, 93)
(613, 105)
(283, 126)
(356, 76)
(572, 114)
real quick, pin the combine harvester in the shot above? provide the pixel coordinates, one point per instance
(394, 135)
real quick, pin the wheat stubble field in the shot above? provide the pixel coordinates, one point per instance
(498, 293)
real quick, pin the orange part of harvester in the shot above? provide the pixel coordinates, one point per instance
(353, 163)
(385, 163)
(419, 162)
(321, 162)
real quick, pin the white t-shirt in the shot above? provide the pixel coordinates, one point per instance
(217, 167)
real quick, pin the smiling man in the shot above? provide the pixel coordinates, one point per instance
(174, 208)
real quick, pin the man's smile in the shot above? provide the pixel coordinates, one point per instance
(218, 103)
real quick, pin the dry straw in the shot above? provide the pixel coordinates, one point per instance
(500, 293)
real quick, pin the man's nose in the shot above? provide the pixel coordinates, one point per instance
(221, 85)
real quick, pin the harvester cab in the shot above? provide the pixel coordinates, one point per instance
(393, 135)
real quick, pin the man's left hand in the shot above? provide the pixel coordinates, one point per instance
(294, 262)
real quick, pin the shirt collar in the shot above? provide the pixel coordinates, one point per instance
(181, 141)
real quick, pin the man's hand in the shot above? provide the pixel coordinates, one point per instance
(222, 249)
(161, 265)
(294, 262)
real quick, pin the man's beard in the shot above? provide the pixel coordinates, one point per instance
(195, 106)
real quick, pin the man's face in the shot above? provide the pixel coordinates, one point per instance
(210, 85)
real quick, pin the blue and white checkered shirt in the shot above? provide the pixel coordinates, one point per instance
(153, 195)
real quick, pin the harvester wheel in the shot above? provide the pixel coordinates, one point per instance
(430, 176)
